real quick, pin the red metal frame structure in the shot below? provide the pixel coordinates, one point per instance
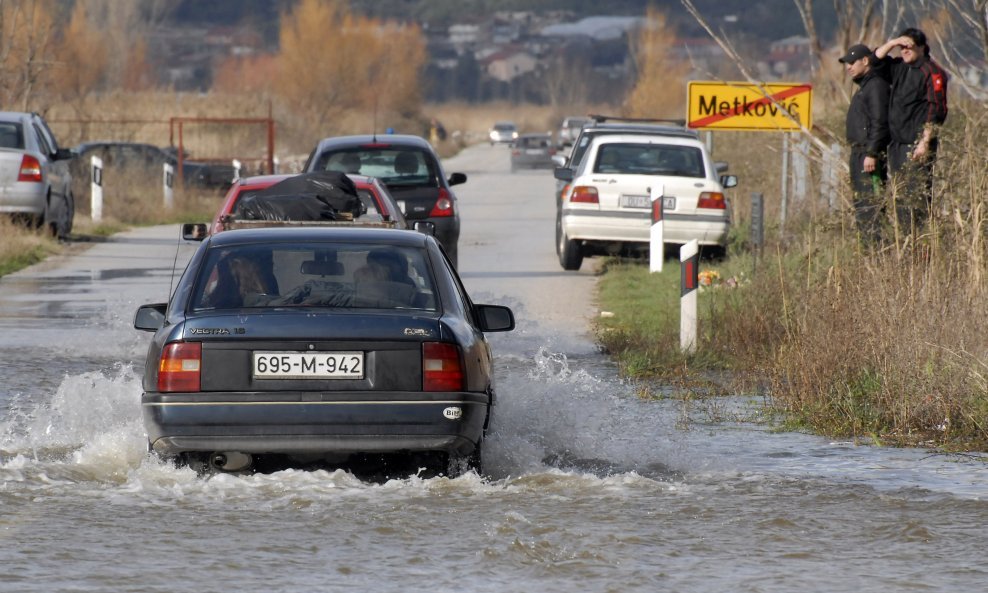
(179, 123)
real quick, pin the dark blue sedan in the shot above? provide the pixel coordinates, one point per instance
(320, 345)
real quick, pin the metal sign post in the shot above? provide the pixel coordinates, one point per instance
(96, 189)
(656, 247)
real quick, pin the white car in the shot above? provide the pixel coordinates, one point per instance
(503, 132)
(606, 208)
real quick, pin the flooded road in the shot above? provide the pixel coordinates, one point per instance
(589, 488)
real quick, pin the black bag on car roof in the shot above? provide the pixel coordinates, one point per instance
(320, 195)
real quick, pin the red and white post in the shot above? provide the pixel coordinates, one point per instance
(689, 276)
(168, 183)
(656, 247)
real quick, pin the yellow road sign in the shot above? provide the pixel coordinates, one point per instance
(770, 107)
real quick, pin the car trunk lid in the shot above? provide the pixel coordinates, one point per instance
(272, 352)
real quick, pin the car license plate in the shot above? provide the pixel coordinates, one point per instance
(668, 203)
(533, 151)
(308, 365)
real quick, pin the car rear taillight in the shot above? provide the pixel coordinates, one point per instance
(30, 170)
(444, 205)
(441, 367)
(180, 367)
(711, 199)
(586, 194)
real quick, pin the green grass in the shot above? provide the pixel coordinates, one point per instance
(641, 324)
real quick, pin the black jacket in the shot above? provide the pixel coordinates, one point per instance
(867, 115)
(919, 96)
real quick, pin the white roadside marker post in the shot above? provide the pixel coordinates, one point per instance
(656, 248)
(96, 189)
(237, 166)
(689, 270)
(168, 179)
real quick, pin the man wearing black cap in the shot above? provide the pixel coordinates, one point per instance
(917, 109)
(868, 134)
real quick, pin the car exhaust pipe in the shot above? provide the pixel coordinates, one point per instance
(230, 461)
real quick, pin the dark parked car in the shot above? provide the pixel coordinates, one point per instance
(138, 161)
(35, 180)
(412, 172)
(532, 151)
(319, 345)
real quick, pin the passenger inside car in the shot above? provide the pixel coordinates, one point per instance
(406, 163)
(351, 163)
(384, 265)
(239, 281)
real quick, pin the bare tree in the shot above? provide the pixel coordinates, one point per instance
(26, 36)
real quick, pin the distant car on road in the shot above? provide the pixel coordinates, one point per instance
(532, 151)
(570, 129)
(378, 205)
(411, 170)
(35, 180)
(503, 132)
(320, 345)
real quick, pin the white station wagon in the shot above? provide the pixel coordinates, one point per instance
(606, 208)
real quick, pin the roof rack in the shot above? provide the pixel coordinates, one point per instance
(603, 118)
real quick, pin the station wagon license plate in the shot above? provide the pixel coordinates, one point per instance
(668, 203)
(308, 365)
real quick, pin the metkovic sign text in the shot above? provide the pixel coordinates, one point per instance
(772, 107)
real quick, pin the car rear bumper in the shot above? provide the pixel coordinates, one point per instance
(23, 198)
(637, 227)
(311, 422)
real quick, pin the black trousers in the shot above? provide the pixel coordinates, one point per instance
(911, 184)
(869, 193)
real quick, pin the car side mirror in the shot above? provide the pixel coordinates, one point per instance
(563, 173)
(150, 318)
(559, 160)
(727, 181)
(720, 166)
(457, 178)
(194, 231)
(495, 318)
(424, 226)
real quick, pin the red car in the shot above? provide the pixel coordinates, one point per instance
(378, 203)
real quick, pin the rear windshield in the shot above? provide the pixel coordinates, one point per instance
(505, 127)
(649, 159)
(323, 275)
(11, 135)
(533, 142)
(395, 166)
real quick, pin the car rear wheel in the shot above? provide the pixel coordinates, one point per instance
(570, 255)
(65, 225)
(559, 232)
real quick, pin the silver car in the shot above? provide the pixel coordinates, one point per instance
(35, 182)
(532, 151)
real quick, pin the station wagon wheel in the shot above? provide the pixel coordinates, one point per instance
(570, 255)
(559, 231)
